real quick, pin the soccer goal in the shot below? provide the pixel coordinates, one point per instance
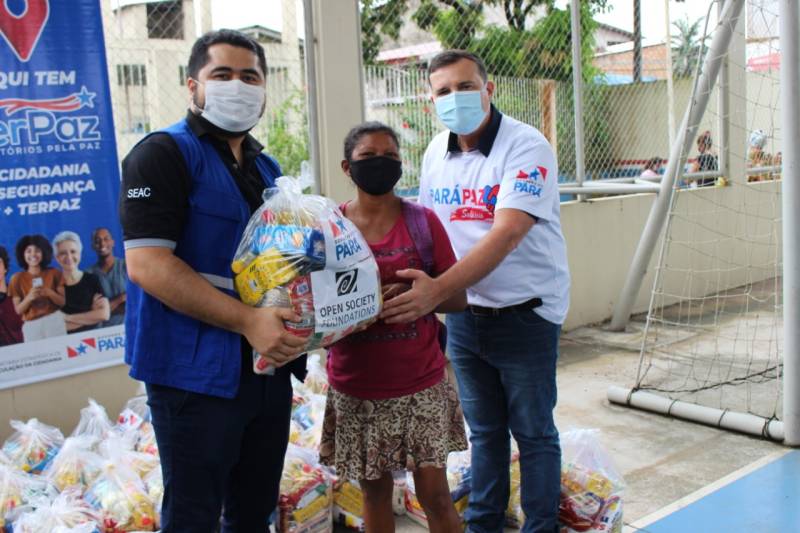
(720, 345)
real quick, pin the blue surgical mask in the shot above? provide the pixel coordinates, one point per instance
(461, 112)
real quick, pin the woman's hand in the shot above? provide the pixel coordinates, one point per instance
(390, 290)
(34, 294)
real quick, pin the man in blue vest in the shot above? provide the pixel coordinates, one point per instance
(187, 194)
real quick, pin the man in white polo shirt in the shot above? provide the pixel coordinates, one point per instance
(493, 182)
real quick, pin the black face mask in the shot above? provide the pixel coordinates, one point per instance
(376, 175)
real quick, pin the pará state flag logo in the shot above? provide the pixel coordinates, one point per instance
(85, 346)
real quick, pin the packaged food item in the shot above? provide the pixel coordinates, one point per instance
(135, 406)
(316, 381)
(154, 483)
(299, 251)
(119, 496)
(94, 422)
(76, 465)
(146, 441)
(459, 479)
(17, 489)
(306, 497)
(121, 448)
(307, 422)
(66, 511)
(399, 493)
(348, 504)
(514, 515)
(32, 445)
(135, 420)
(82, 528)
(591, 486)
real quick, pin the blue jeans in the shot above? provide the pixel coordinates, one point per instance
(506, 371)
(222, 456)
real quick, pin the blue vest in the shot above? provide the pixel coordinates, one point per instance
(164, 346)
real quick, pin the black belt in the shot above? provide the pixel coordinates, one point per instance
(479, 310)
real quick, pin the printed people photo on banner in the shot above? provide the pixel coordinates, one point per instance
(37, 290)
(62, 283)
(112, 274)
(86, 306)
(10, 321)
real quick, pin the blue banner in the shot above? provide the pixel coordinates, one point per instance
(60, 306)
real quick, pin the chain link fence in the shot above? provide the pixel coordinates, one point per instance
(527, 47)
(526, 44)
(148, 45)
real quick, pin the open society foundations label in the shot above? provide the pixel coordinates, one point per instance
(343, 298)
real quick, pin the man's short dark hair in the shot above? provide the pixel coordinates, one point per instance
(357, 132)
(98, 230)
(41, 242)
(448, 57)
(198, 58)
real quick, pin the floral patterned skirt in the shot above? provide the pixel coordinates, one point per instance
(363, 439)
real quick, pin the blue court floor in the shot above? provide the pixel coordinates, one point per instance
(761, 499)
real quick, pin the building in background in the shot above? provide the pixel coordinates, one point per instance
(148, 44)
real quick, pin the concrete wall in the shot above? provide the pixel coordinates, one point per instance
(58, 402)
(602, 236)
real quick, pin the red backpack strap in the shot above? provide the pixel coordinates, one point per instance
(417, 223)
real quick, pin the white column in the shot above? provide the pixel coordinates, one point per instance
(339, 87)
(790, 111)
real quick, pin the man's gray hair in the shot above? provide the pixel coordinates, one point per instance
(68, 236)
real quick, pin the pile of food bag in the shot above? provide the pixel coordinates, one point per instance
(306, 494)
(98, 480)
(591, 487)
(299, 251)
(106, 478)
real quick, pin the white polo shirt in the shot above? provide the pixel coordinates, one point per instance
(516, 169)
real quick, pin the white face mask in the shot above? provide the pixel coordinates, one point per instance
(233, 105)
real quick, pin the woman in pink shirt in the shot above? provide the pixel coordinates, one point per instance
(391, 406)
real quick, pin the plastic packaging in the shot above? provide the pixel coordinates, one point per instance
(17, 489)
(348, 504)
(591, 487)
(75, 465)
(83, 528)
(94, 422)
(299, 251)
(32, 445)
(154, 483)
(135, 419)
(316, 381)
(119, 495)
(119, 492)
(307, 418)
(514, 515)
(306, 496)
(120, 448)
(137, 406)
(66, 511)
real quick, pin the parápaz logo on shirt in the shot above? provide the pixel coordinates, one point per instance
(476, 204)
(531, 182)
